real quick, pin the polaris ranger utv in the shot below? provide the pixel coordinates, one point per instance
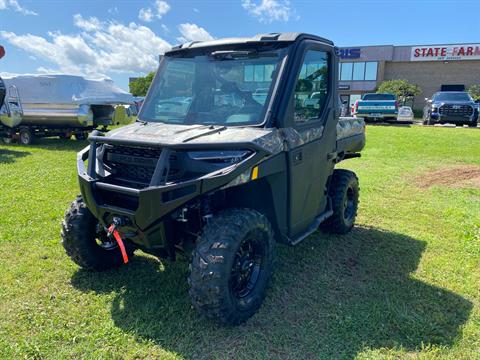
(219, 173)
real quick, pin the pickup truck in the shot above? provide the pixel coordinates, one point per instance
(456, 107)
(376, 107)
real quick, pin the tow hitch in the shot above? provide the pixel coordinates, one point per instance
(112, 230)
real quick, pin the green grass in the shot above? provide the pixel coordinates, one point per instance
(404, 284)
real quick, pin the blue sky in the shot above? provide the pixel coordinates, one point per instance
(120, 39)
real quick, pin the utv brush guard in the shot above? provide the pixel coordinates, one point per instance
(143, 209)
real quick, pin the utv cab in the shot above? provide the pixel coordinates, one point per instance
(234, 148)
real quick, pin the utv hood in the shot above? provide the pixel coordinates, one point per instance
(208, 136)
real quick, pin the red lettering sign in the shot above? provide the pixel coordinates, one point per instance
(446, 52)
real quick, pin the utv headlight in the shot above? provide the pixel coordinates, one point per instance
(220, 156)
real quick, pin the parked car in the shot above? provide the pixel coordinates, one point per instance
(405, 113)
(456, 107)
(376, 107)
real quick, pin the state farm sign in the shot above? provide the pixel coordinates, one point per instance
(445, 52)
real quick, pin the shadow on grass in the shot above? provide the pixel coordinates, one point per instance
(55, 143)
(8, 156)
(392, 123)
(332, 297)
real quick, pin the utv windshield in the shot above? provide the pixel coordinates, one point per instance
(221, 88)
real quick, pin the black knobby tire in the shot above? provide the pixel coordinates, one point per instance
(225, 283)
(81, 135)
(81, 240)
(343, 193)
(25, 136)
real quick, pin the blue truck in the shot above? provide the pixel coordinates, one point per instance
(376, 107)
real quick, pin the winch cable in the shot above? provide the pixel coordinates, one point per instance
(112, 230)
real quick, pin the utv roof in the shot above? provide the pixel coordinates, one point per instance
(260, 38)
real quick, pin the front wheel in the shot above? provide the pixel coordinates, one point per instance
(232, 265)
(343, 193)
(81, 135)
(86, 242)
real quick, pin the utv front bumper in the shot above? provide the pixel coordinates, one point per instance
(144, 210)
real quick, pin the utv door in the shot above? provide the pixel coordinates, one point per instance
(313, 120)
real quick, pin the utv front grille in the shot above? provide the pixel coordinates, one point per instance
(135, 166)
(456, 110)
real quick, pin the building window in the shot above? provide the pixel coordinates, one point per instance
(311, 89)
(346, 72)
(371, 70)
(358, 71)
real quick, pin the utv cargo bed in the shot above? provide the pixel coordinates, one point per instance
(350, 135)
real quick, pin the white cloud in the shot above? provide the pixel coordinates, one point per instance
(145, 15)
(15, 6)
(90, 24)
(269, 10)
(100, 48)
(160, 8)
(193, 32)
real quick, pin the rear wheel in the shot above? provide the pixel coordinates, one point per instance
(232, 265)
(86, 242)
(343, 192)
(25, 136)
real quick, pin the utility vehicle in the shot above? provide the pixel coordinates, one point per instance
(214, 173)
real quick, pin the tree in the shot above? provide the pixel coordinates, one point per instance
(401, 87)
(474, 92)
(139, 86)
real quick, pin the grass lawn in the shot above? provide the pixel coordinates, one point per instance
(404, 284)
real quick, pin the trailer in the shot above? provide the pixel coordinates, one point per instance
(34, 106)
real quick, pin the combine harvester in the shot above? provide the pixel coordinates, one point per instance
(33, 106)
